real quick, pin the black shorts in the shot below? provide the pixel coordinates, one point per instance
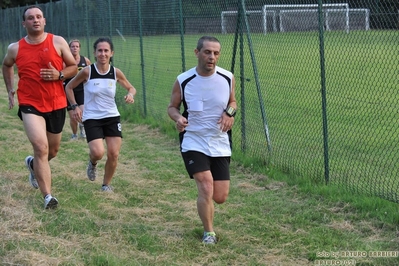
(79, 98)
(55, 120)
(198, 162)
(101, 128)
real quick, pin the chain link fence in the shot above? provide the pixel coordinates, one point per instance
(317, 81)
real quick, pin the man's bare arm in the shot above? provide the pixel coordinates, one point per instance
(8, 72)
(70, 67)
(174, 108)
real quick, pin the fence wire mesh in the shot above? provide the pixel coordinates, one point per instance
(317, 81)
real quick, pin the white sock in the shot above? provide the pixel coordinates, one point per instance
(48, 195)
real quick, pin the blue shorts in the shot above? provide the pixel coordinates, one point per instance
(198, 162)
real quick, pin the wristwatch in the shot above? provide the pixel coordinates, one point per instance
(61, 77)
(230, 111)
(73, 106)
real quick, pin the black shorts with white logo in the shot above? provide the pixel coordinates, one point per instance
(101, 128)
(198, 162)
(55, 120)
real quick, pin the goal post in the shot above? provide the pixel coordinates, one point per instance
(299, 17)
(307, 14)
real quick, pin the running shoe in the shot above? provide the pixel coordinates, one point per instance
(82, 131)
(29, 165)
(209, 238)
(106, 188)
(91, 171)
(50, 202)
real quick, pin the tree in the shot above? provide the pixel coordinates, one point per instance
(14, 3)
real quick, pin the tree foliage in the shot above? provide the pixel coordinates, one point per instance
(381, 10)
(14, 3)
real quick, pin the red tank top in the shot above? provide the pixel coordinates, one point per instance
(45, 96)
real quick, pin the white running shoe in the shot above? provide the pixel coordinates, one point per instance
(209, 238)
(82, 131)
(74, 137)
(29, 165)
(107, 188)
(50, 202)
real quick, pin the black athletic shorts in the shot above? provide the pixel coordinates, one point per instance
(101, 128)
(198, 162)
(79, 98)
(55, 120)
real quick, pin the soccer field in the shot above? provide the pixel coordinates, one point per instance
(361, 88)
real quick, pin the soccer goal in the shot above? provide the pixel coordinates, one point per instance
(305, 17)
(257, 19)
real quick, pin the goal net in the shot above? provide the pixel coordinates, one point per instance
(359, 19)
(258, 21)
(305, 17)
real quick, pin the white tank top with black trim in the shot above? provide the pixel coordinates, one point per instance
(204, 100)
(99, 94)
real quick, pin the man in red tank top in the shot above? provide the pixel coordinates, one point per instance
(39, 58)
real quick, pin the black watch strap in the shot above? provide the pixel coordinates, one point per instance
(73, 106)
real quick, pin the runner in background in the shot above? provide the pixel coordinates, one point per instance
(81, 62)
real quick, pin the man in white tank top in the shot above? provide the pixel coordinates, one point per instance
(209, 106)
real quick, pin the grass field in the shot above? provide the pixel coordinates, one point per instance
(151, 219)
(362, 92)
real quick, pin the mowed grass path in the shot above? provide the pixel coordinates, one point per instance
(151, 219)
